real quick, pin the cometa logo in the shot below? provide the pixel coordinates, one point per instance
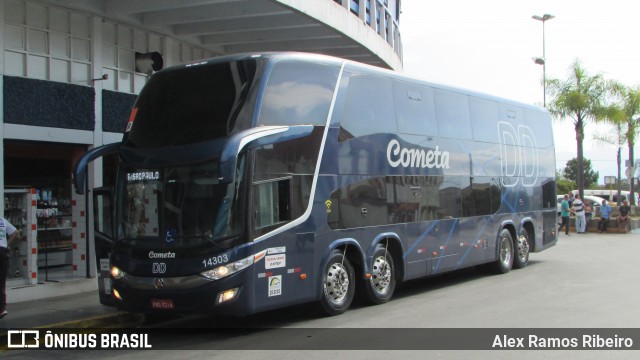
(165, 255)
(399, 156)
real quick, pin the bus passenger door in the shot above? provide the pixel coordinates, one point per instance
(103, 238)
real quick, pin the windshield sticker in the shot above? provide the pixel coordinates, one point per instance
(275, 285)
(277, 250)
(275, 261)
(143, 175)
(170, 237)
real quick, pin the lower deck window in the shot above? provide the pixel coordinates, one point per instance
(272, 203)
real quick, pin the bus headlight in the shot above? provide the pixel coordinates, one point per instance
(116, 273)
(222, 271)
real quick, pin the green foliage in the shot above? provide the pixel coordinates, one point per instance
(570, 172)
(564, 186)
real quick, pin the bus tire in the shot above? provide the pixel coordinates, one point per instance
(338, 284)
(505, 253)
(379, 288)
(522, 249)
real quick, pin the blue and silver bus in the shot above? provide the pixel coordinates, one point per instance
(252, 182)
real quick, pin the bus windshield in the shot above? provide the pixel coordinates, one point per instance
(178, 207)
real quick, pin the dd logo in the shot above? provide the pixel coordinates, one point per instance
(159, 268)
(519, 155)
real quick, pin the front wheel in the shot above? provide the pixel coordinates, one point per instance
(338, 284)
(379, 288)
(522, 250)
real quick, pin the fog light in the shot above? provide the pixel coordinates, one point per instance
(117, 294)
(227, 295)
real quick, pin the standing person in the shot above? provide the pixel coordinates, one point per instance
(565, 212)
(624, 213)
(605, 214)
(7, 234)
(571, 198)
(578, 211)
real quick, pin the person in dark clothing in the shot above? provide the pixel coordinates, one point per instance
(624, 214)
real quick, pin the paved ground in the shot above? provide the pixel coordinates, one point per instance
(587, 281)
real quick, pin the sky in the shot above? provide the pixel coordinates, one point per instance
(489, 46)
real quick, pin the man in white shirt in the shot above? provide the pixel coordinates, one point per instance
(578, 211)
(7, 234)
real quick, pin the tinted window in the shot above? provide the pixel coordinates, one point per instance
(365, 203)
(452, 111)
(406, 199)
(189, 105)
(549, 194)
(272, 205)
(293, 160)
(369, 107)
(415, 109)
(298, 93)
(540, 124)
(483, 196)
(484, 117)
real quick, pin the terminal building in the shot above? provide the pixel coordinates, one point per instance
(71, 71)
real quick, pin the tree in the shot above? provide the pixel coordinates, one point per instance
(630, 106)
(579, 97)
(613, 113)
(564, 186)
(571, 172)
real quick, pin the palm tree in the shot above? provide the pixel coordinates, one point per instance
(579, 97)
(617, 136)
(631, 110)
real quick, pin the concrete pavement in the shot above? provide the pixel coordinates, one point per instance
(83, 310)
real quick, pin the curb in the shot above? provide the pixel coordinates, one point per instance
(109, 321)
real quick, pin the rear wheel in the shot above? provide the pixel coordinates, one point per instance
(505, 254)
(521, 258)
(338, 284)
(379, 288)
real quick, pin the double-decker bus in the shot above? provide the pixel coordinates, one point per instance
(252, 182)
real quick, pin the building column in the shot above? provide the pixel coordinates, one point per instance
(2, 106)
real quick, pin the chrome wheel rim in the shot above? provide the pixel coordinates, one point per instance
(505, 252)
(336, 285)
(381, 275)
(523, 248)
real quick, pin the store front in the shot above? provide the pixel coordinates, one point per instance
(40, 202)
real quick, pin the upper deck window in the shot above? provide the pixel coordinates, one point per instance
(298, 93)
(192, 104)
(369, 108)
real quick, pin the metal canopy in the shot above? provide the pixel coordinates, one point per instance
(236, 26)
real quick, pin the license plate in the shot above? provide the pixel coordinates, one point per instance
(166, 304)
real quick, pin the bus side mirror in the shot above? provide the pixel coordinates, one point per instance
(80, 170)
